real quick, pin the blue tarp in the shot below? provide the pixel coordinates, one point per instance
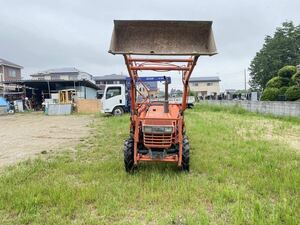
(3, 102)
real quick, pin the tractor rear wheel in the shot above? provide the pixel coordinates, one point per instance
(185, 165)
(128, 155)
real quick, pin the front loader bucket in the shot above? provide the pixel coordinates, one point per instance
(150, 37)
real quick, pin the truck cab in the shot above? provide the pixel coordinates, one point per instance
(114, 99)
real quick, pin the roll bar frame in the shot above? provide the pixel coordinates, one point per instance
(134, 65)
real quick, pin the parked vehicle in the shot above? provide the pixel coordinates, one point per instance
(116, 99)
(157, 128)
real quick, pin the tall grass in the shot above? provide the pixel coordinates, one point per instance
(237, 177)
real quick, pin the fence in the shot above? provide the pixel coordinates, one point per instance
(275, 108)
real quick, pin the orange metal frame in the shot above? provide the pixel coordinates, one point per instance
(186, 66)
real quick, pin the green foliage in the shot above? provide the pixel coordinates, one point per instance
(287, 71)
(293, 93)
(270, 94)
(281, 95)
(283, 48)
(192, 93)
(278, 82)
(296, 79)
(283, 90)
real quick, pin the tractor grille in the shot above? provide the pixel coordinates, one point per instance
(154, 140)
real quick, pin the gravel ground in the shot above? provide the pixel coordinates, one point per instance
(25, 135)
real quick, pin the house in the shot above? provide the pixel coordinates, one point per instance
(151, 86)
(205, 86)
(68, 74)
(8, 72)
(102, 81)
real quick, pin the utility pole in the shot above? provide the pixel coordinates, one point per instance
(245, 79)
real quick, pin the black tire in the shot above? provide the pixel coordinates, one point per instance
(185, 166)
(128, 155)
(118, 111)
(190, 106)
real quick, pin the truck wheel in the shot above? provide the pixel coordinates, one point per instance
(118, 111)
(128, 155)
(185, 155)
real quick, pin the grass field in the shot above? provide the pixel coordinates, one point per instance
(244, 170)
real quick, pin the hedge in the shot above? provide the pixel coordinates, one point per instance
(278, 82)
(296, 79)
(287, 71)
(270, 94)
(293, 93)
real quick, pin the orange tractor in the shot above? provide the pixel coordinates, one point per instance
(157, 128)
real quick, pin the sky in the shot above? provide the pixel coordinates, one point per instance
(41, 35)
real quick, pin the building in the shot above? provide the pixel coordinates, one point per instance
(39, 90)
(101, 81)
(205, 86)
(8, 72)
(229, 94)
(68, 74)
(151, 86)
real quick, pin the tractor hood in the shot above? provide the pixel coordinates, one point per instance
(155, 115)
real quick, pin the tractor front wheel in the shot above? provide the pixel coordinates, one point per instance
(185, 164)
(128, 155)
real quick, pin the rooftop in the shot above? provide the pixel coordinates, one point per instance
(58, 70)
(8, 63)
(204, 79)
(110, 77)
(44, 83)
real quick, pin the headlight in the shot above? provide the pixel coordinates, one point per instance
(147, 129)
(168, 129)
(157, 129)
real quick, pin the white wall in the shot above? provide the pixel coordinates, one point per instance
(268, 107)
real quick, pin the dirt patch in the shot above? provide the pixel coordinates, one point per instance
(273, 131)
(25, 135)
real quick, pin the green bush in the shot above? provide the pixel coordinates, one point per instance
(296, 79)
(283, 90)
(287, 71)
(192, 93)
(270, 94)
(278, 82)
(293, 93)
(281, 95)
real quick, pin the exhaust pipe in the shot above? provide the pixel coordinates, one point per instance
(166, 102)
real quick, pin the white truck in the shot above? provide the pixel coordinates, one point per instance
(116, 101)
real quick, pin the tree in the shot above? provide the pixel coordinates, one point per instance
(287, 71)
(293, 93)
(280, 50)
(278, 82)
(270, 94)
(296, 79)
